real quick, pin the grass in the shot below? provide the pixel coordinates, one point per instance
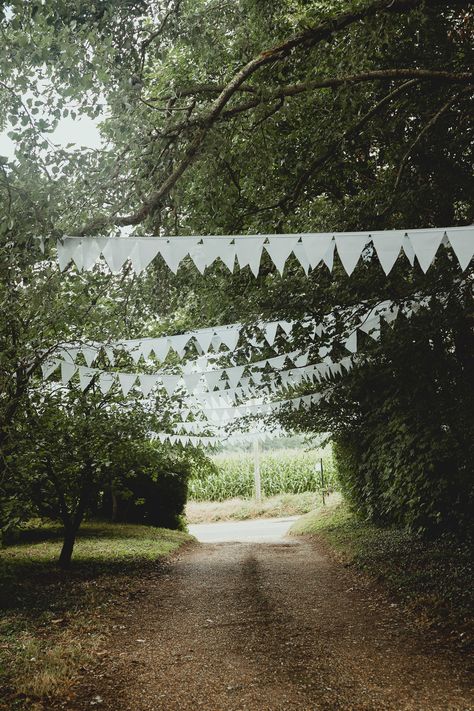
(433, 579)
(241, 509)
(49, 620)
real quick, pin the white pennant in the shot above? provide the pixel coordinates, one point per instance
(249, 252)
(89, 353)
(116, 252)
(300, 254)
(106, 380)
(85, 376)
(212, 377)
(65, 250)
(279, 249)
(204, 339)
(179, 343)
(316, 246)
(127, 381)
(462, 242)
(234, 375)
(229, 336)
(49, 366)
(174, 251)
(351, 342)
(349, 248)
(147, 383)
(328, 257)
(191, 381)
(161, 348)
(220, 247)
(170, 383)
(144, 251)
(270, 332)
(425, 244)
(91, 249)
(67, 371)
(387, 245)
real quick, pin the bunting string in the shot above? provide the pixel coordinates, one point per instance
(309, 249)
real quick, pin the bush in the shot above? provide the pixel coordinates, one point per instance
(281, 472)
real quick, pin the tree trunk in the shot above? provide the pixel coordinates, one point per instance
(68, 545)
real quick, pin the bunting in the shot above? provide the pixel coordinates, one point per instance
(309, 249)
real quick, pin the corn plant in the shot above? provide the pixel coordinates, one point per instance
(290, 471)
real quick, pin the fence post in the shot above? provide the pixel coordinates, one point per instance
(256, 471)
(322, 482)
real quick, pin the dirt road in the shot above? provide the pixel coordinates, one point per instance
(264, 627)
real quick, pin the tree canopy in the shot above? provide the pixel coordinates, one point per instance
(225, 117)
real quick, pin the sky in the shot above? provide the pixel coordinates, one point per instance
(82, 132)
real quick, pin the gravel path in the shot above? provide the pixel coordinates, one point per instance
(264, 627)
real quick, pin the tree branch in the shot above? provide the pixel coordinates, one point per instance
(304, 40)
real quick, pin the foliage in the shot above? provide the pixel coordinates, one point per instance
(283, 472)
(431, 579)
(244, 117)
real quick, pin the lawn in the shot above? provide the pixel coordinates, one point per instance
(49, 619)
(433, 579)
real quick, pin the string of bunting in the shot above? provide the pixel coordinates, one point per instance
(200, 381)
(310, 249)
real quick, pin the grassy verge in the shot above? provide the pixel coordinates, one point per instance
(241, 509)
(432, 579)
(50, 620)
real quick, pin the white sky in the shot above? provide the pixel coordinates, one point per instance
(82, 132)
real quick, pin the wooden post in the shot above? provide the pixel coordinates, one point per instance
(322, 482)
(256, 471)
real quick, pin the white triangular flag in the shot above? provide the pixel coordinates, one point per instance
(462, 242)
(144, 251)
(191, 381)
(425, 244)
(179, 342)
(387, 245)
(109, 352)
(287, 326)
(116, 252)
(160, 348)
(127, 381)
(49, 366)
(279, 249)
(147, 383)
(234, 374)
(85, 376)
(175, 250)
(249, 252)
(316, 246)
(65, 250)
(349, 248)
(301, 256)
(229, 336)
(204, 339)
(67, 371)
(106, 380)
(219, 247)
(408, 250)
(351, 342)
(328, 257)
(170, 383)
(91, 249)
(89, 353)
(270, 330)
(212, 377)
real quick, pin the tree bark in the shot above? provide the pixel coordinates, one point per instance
(65, 556)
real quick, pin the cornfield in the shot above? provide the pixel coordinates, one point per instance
(284, 471)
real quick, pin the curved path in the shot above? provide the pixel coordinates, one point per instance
(267, 627)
